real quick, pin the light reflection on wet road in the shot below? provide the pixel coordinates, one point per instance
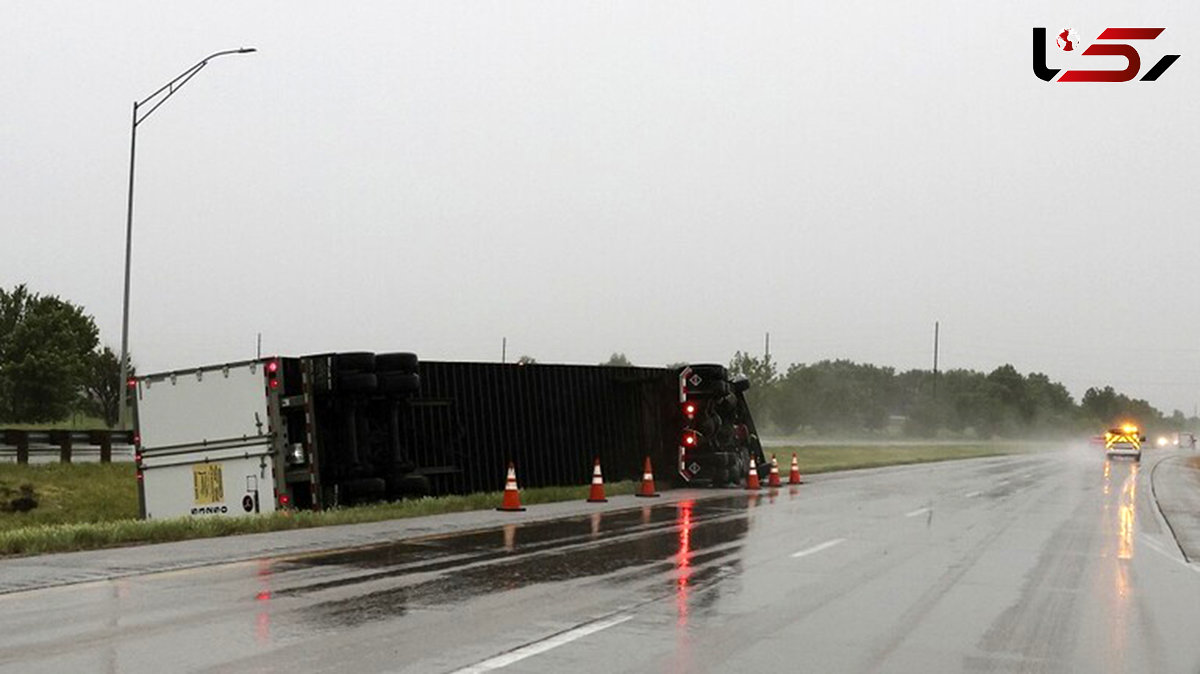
(1039, 563)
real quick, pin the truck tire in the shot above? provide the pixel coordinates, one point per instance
(355, 361)
(396, 362)
(398, 382)
(358, 382)
(415, 486)
(362, 489)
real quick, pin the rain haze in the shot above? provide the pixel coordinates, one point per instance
(667, 180)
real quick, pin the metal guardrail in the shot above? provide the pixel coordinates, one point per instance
(22, 445)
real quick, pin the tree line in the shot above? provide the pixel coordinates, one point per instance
(51, 362)
(832, 397)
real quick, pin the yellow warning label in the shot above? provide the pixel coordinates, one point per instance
(206, 479)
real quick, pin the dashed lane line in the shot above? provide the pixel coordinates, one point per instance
(817, 548)
(539, 647)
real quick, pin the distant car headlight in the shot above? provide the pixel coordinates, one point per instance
(1162, 441)
(296, 454)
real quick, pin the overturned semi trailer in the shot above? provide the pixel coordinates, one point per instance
(317, 431)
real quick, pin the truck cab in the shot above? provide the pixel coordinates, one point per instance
(719, 438)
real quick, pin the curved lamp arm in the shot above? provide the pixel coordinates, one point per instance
(177, 83)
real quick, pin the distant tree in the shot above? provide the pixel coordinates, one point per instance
(526, 360)
(1054, 408)
(101, 386)
(841, 396)
(44, 347)
(1101, 404)
(618, 360)
(793, 399)
(762, 375)
(1010, 390)
(760, 371)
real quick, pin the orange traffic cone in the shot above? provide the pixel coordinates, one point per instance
(647, 489)
(752, 481)
(597, 493)
(794, 477)
(512, 497)
(773, 481)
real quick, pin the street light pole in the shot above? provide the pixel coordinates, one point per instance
(158, 98)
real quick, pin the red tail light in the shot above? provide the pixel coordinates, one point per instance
(689, 439)
(689, 410)
(131, 382)
(272, 371)
(284, 500)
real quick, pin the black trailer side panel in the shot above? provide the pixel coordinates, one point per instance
(551, 421)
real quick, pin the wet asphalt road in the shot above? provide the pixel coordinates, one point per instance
(1053, 562)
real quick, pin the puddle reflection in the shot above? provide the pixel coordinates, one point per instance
(1125, 514)
(262, 618)
(683, 561)
(510, 537)
(689, 544)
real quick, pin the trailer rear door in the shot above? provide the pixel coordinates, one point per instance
(206, 442)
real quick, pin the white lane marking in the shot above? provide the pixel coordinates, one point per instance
(1171, 556)
(817, 548)
(918, 511)
(538, 647)
(972, 494)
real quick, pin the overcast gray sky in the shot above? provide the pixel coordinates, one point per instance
(670, 180)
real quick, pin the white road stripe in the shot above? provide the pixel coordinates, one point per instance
(538, 647)
(918, 511)
(817, 548)
(1171, 556)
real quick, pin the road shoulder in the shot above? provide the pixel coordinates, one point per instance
(1176, 485)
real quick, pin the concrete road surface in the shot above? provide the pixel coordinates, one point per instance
(1056, 562)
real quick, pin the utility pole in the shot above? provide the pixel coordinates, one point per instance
(767, 347)
(936, 329)
(258, 351)
(503, 350)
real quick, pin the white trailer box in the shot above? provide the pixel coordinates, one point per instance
(206, 443)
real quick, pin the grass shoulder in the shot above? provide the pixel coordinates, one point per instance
(826, 458)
